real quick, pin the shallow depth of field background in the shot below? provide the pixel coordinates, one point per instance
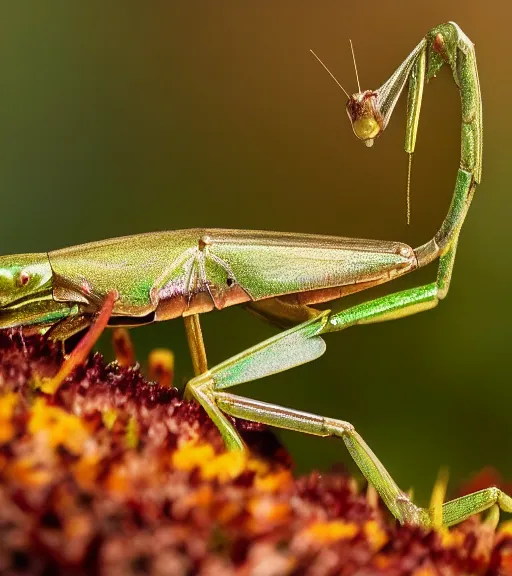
(133, 117)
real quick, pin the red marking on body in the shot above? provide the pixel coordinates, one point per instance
(85, 287)
(361, 105)
(438, 44)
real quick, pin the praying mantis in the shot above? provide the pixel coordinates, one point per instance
(278, 276)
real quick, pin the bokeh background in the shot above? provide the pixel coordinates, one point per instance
(124, 117)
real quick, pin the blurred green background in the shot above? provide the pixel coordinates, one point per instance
(121, 117)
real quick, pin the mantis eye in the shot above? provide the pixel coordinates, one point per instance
(24, 278)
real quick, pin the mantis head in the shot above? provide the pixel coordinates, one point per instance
(24, 277)
(364, 116)
(363, 108)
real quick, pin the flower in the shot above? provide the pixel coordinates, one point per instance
(114, 474)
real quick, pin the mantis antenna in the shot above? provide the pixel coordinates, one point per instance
(330, 74)
(409, 166)
(355, 65)
(369, 141)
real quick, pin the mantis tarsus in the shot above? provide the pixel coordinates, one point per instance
(279, 276)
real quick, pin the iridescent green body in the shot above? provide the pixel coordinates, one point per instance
(279, 276)
(198, 270)
(195, 271)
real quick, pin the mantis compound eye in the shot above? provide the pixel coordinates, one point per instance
(23, 276)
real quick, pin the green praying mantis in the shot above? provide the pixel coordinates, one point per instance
(278, 276)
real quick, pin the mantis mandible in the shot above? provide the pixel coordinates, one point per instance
(278, 276)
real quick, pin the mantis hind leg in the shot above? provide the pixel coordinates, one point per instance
(303, 343)
(208, 388)
(399, 504)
